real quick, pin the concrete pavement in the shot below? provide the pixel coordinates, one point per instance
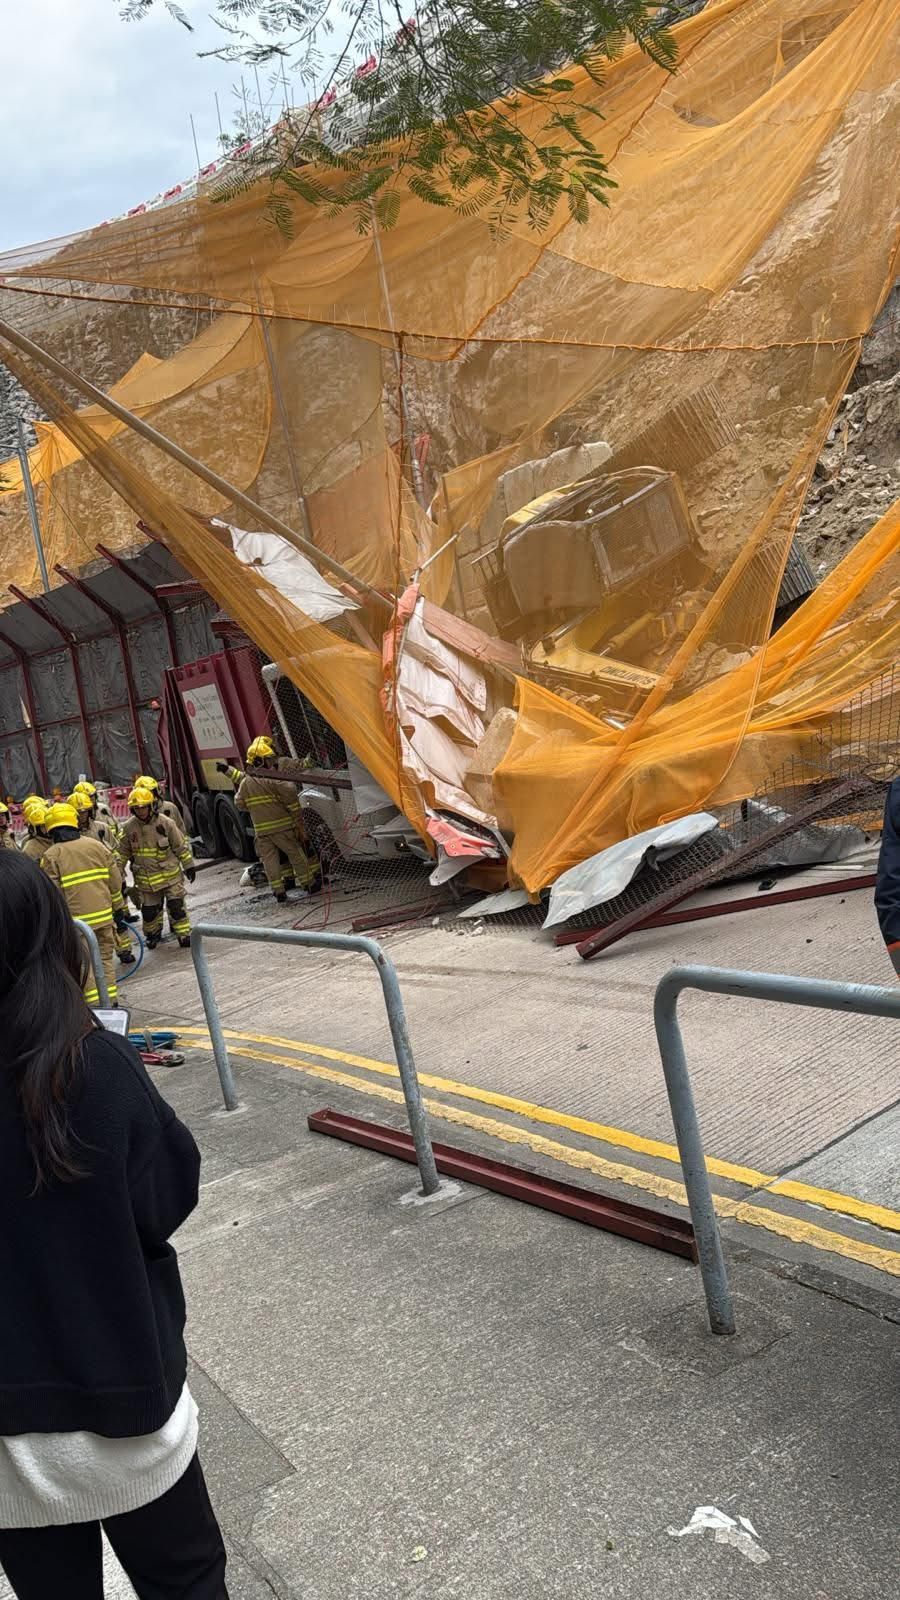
(474, 1400)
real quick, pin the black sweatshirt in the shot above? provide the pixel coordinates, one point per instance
(91, 1305)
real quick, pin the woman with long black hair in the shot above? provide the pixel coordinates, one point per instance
(97, 1424)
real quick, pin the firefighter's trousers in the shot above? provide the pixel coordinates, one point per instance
(268, 846)
(106, 939)
(171, 898)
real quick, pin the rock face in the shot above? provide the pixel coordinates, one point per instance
(857, 476)
(100, 339)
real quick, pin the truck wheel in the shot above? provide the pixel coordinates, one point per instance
(206, 827)
(230, 823)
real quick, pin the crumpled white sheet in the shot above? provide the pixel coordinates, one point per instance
(606, 874)
(290, 573)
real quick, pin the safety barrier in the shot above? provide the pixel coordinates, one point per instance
(90, 939)
(865, 999)
(393, 1000)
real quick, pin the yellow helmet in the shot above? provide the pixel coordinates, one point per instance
(4, 810)
(86, 788)
(146, 782)
(61, 815)
(81, 800)
(262, 749)
(34, 810)
(140, 796)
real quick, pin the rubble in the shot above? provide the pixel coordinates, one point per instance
(857, 476)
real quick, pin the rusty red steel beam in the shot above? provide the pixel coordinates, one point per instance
(672, 1234)
(591, 944)
(71, 644)
(121, 632)
(724, 908)
(141, 582)
(28, 688)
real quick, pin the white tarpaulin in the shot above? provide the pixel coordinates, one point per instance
(603, 876)
(290, 573)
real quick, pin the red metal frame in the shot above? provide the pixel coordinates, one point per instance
(149, 589)
(121, 633)
(35, 729)
(824, 800)
(673, 1234)
(724, 908)
(71, 644)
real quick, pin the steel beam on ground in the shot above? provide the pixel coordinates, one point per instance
(725, 908)
(533, 1188)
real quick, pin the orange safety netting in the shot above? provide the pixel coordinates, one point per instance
(704, 326)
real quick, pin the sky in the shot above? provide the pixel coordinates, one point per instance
(95, 112)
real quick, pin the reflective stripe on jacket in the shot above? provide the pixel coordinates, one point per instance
(273, 806)
(158, 853)
(89, 877)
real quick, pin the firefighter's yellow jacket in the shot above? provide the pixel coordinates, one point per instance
(36, 846)
(89, 877)
(273, 806)
(159, 854)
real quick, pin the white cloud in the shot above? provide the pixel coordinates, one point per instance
(95, 112)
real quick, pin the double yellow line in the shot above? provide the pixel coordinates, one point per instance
(797, 1229)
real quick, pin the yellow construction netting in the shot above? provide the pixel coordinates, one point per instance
(705, 325)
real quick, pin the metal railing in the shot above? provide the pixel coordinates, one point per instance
(865, 999)
(90, 939)
(393, 1000)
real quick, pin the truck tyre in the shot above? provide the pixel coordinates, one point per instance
(230, 824)
(206, 827)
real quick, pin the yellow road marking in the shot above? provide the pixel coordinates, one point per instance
(829, 1199)
(794, 1228)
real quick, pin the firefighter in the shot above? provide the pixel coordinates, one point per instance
(274, 809)
(103, 824)
(34, 810)
(88, 875)
(90, 828)
(161, 806)
(160, 858)
(7, 841)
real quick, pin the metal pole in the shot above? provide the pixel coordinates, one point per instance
(31, 503)
(213, 1020)
(783, 988)
(693, 1161)
(393, 1000)
(409, 1078)
(229, 491)
(90, 939)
